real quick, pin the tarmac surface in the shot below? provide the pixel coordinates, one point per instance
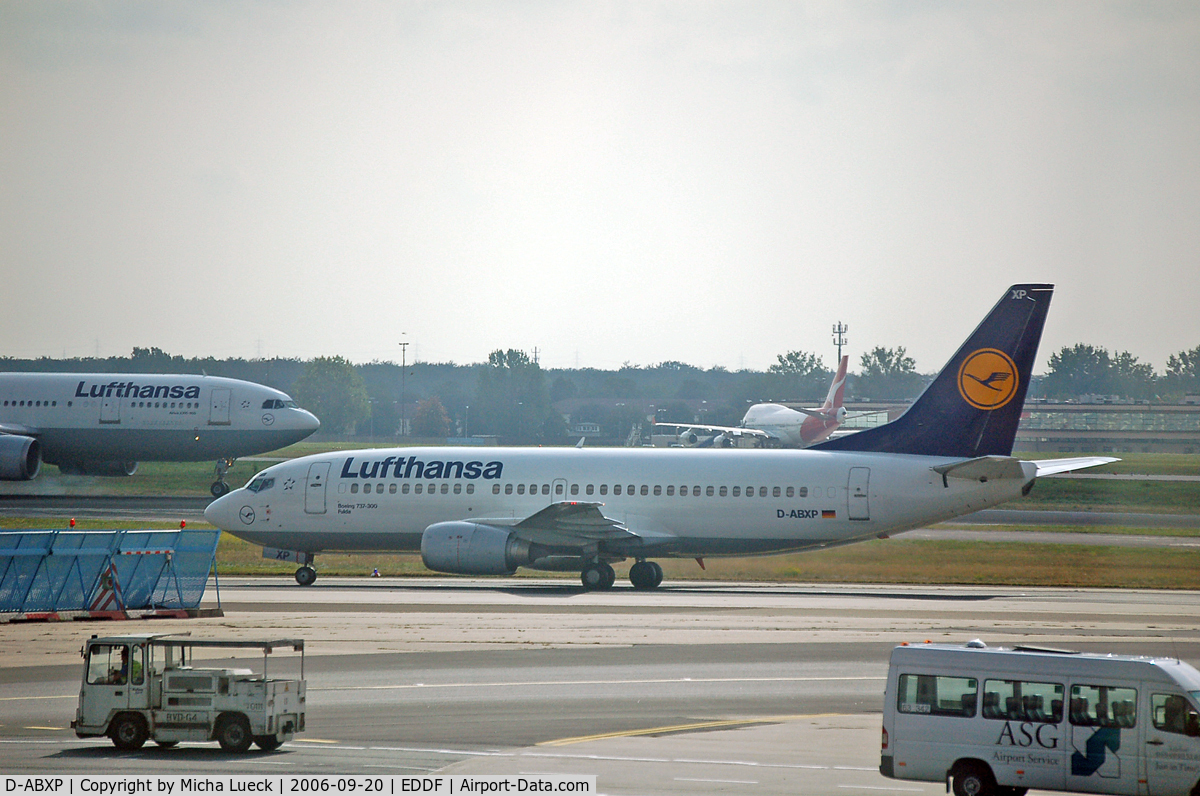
(691, 689)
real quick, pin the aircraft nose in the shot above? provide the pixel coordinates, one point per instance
(308, 421)
(222, 511)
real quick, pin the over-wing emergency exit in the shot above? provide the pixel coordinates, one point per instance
(489, 511)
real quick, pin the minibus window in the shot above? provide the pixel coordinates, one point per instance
(1021, 700)
(936, 695)
(1172, 713)
(1103, 706)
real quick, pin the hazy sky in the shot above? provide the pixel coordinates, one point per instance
(609, 182)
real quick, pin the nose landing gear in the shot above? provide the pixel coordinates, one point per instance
(219, 487)
(306, 575)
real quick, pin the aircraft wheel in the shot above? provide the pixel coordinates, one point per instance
(219, 488)
(306, 576)
(642, 575)
(598, 577)
(658, 574)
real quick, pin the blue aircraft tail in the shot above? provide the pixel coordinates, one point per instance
(974, 405)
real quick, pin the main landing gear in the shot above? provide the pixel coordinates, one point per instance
(219, 487)
(599, 576)
(645, 575)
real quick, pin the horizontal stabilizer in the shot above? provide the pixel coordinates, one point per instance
(1052, 466)
(984, 468)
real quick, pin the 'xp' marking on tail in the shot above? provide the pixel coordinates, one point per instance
(973, 406)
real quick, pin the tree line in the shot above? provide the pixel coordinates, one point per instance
(512, 397)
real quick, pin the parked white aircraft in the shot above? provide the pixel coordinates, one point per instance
(485, 512)
(104, 423)
(771, 424)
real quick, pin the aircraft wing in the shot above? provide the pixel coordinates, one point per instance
(1052, 466)
(570, 524)
(735, 431)
(17, 428)
(574, 524)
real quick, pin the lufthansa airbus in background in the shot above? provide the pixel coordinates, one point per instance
(105, 423)
(482, 512)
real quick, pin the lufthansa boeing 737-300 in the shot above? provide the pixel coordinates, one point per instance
(475, 511)
(105, 423)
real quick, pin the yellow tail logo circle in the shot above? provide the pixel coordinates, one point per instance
(987, 379)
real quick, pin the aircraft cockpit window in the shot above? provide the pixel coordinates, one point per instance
(276, 403)
(288, 405)
(260, 484)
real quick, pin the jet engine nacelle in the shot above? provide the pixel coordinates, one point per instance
(468, 548)
(20, 457)
(108, 469)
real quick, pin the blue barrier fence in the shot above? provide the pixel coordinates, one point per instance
(73, 570)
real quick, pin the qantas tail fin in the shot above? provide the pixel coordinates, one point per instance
(974, 405)
(837, 389)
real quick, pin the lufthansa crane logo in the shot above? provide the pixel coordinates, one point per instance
(987, 379)
(247, 515)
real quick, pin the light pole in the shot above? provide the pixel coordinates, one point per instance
(467, 422)
(403, 375)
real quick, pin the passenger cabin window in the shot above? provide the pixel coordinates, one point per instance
(1103, 706)
(520, 489)
(590, 489)
(354, 489)
(1022, 700)
(937, 695)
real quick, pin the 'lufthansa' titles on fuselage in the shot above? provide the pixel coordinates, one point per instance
(123, 389)
(412, 467)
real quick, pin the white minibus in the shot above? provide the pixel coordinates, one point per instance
(991, 720)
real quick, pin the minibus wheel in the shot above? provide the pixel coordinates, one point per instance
(972, 778)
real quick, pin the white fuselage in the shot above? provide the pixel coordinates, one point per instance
(677, 503)
(148, 417)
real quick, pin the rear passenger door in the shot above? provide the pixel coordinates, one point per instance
(1104, 746)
